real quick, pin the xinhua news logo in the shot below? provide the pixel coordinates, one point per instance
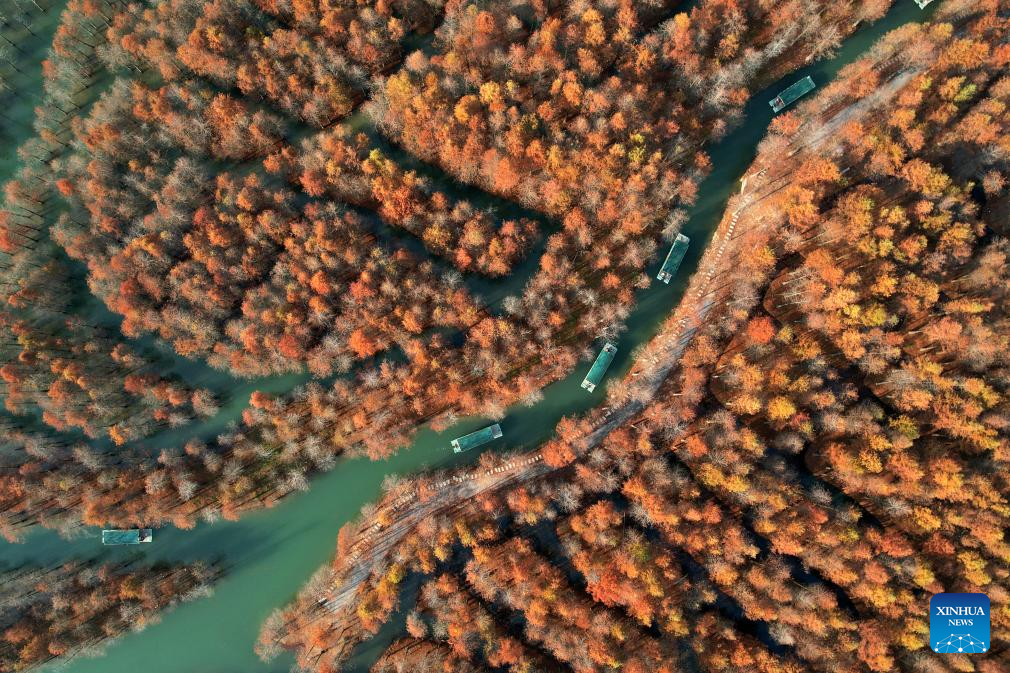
(959, 623)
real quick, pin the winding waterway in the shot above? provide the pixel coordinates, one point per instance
(269, 554)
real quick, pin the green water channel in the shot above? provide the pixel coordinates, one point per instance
(268, 555)
(21, 92)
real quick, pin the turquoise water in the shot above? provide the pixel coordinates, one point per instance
(25, 87)
(269, 554)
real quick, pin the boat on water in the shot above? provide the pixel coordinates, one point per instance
(599, 368)
(127, 536)
(475, 439)
(792, 93)
(674, 258)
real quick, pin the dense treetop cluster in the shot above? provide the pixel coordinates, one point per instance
(221, 199)
(831, 451)
(74, 609)
(319, 187)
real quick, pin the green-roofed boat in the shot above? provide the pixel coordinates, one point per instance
(599, 367)
(787, 97)
(474, 439)
(131, 536)
(674, 258)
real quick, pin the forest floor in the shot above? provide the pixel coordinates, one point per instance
(371, 540)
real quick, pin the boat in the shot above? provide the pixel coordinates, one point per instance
(674, 258)
(791, 93)
(128, 536)
(475, 439)
(599, 368)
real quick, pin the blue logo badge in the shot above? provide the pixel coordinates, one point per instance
(959, 623)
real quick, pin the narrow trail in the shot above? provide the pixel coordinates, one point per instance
(372, 543)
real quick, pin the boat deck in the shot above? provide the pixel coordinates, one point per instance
(475, 439)
(792, 93)
(674, 258)
(131, 536)
(600, 366)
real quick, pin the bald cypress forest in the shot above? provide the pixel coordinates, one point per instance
(261, 261)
